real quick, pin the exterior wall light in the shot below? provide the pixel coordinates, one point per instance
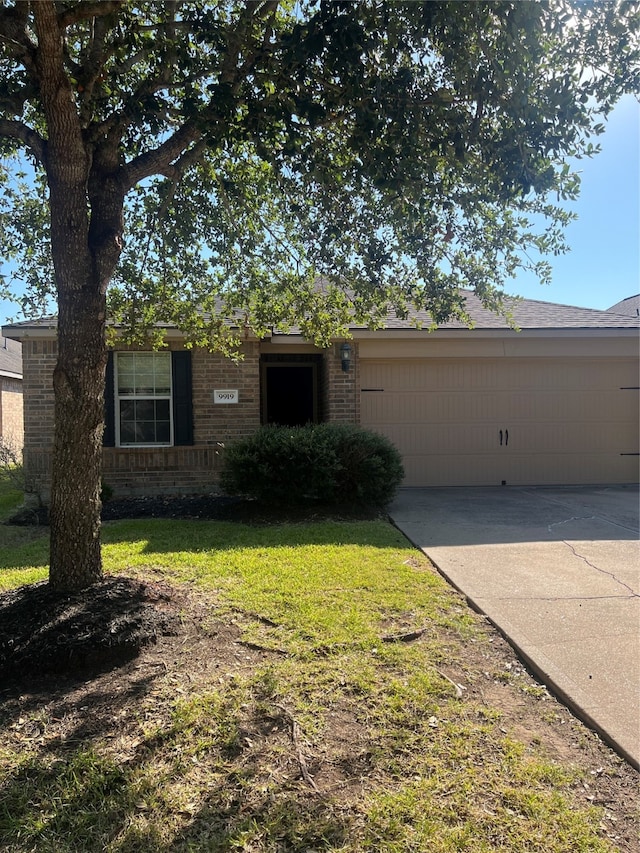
(345, 356)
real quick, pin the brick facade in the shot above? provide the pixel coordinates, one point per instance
(341, 389)
(176, 470)
(11, 414)
(38, 362)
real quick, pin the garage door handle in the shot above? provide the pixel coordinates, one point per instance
(506, 437)
(500, 438)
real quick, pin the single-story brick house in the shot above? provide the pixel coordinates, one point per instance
(555, 402)
(11, 414)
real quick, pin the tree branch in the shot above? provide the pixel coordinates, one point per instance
(14, 34)
(20, 131)
(159, 161)
(64, 137)
(254, 9)
(91, 67)
(162, 160)
(83, 11)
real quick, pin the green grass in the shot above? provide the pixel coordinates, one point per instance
(326, 583)
(10, 496)
(433, 773)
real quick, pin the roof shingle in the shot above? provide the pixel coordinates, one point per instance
(10, 358)
(629, 306)
(528, 314)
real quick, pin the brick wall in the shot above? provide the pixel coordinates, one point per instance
(131, 471)
(179, 470)
(148, 470)
(222, 423)
(38, 361)
(341, 391)
(11, 414)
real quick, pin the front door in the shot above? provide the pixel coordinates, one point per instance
(290, 392)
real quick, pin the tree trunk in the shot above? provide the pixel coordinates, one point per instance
(78, 380)
(83, 273)
(75, 559)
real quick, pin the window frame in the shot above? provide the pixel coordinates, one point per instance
(118, 398)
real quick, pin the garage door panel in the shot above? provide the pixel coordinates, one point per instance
(572, 437)
(593, 404)
(549, 469)
(524, 469)
(428, 407)
(450, 470)
(568, 420)
(515, 407)
(454, 375)
(447, 438)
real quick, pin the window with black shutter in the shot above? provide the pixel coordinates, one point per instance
(148, 399)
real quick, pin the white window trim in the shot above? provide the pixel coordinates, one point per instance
(118, 397)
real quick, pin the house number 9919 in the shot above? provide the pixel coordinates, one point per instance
(225, 395)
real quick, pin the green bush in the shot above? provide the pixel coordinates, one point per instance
(323, 463)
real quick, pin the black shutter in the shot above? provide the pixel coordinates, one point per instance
(109, 435)
(182, 402)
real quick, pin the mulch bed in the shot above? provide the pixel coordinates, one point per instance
(44, 631)
(214, 507)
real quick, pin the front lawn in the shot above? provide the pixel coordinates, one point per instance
(324, 690)
(10, 495)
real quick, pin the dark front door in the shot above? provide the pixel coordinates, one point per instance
(289, 393)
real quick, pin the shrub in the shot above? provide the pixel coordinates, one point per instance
(11, 464)
(324, 463)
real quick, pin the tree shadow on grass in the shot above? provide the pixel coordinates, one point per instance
(104, 758)
(88, 802)
(165, 536)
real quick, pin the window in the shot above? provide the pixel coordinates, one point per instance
(148, 399)
(143, 398)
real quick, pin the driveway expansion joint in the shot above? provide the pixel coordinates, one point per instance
(569, 520)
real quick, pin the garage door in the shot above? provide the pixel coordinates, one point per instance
(489, 421)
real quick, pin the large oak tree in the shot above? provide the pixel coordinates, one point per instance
(169, 162)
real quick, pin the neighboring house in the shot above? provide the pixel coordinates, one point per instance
(553, 403)
(629, 306)
(11, 416)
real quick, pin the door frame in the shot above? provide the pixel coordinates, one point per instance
(277, 360)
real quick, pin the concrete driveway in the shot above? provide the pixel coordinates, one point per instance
(557, 570)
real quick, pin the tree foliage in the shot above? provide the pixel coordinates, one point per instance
(197, 161)
(398, 150)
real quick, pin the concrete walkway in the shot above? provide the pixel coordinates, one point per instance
(557, 570)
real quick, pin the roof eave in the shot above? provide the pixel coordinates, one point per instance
(22, 332)
(439, 334)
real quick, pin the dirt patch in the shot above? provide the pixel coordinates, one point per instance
(158, 642)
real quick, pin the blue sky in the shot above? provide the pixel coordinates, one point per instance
(603, 265)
